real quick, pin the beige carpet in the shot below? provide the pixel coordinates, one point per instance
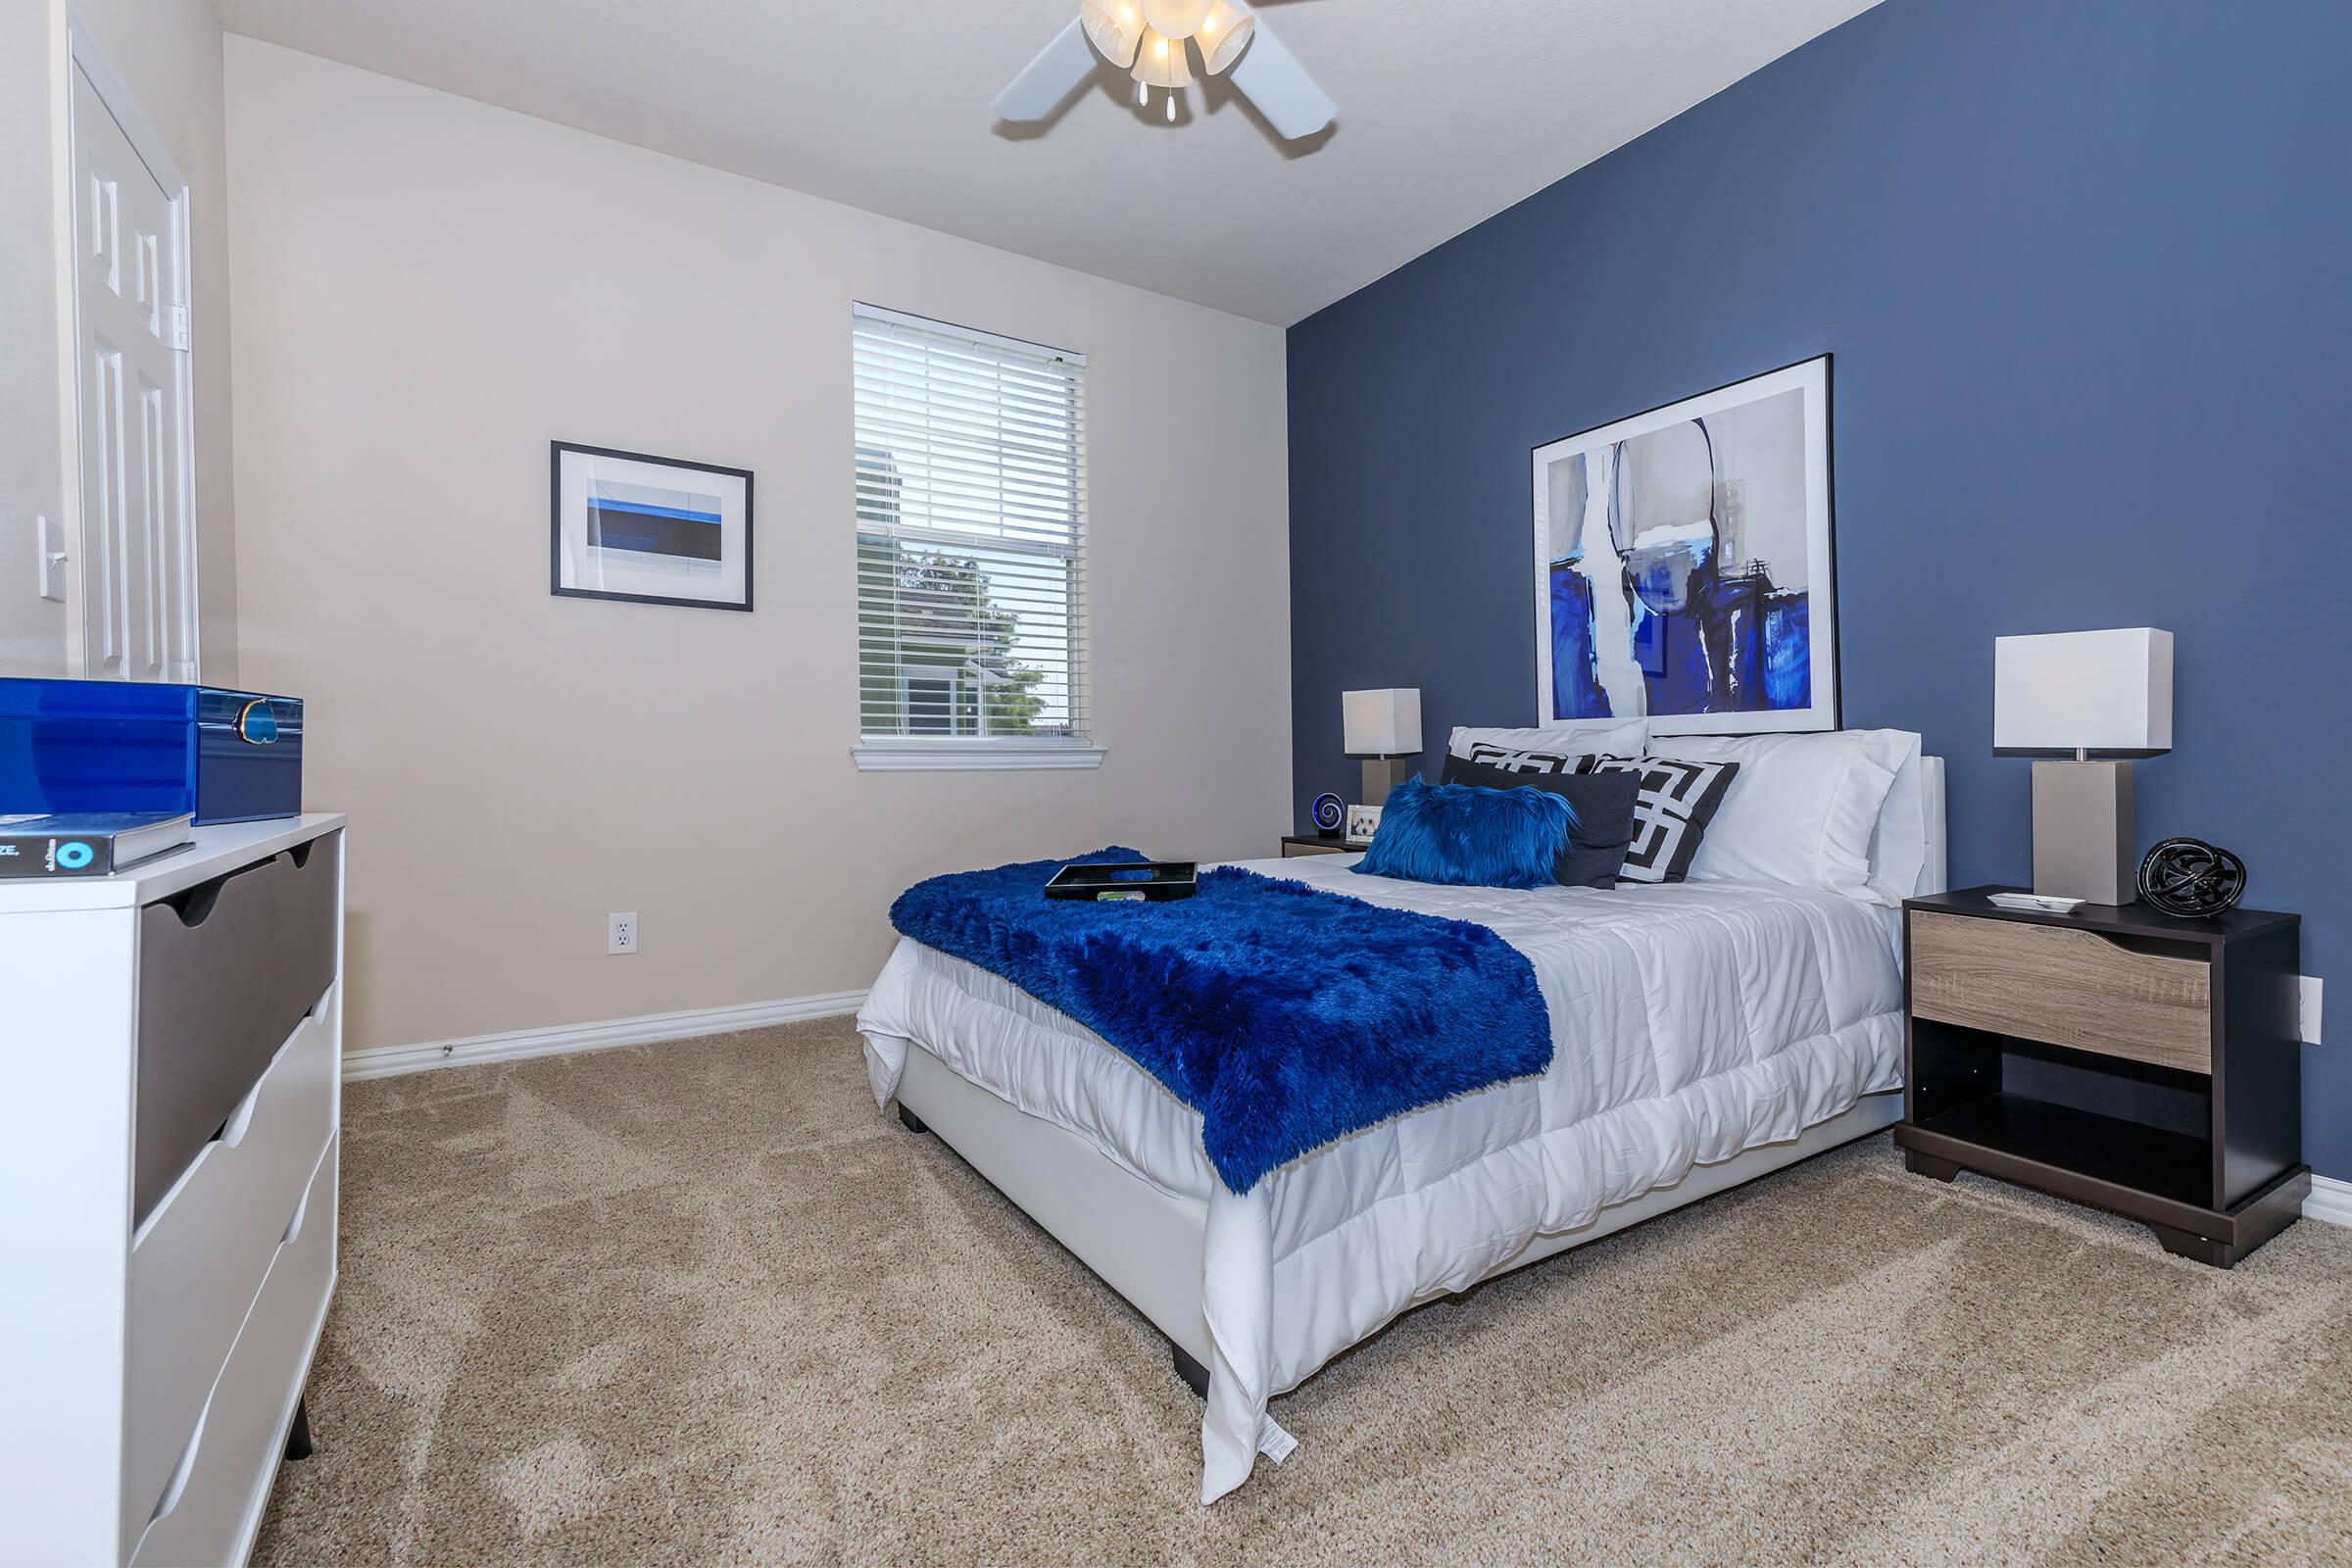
(701, 1303)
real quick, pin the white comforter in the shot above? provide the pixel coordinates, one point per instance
(1689, 1022)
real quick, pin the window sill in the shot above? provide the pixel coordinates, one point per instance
(971, 757)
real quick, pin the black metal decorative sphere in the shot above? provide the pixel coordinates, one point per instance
(2191, 878)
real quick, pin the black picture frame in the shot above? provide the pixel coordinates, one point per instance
(555, 526)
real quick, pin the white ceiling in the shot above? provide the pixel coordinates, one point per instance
(1449, 111)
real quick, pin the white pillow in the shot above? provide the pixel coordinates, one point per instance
(1803, 808)
(1899, 855)
(1590, 737)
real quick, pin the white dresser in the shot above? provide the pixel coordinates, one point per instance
(173, 1041)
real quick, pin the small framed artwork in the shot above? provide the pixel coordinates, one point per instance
(1363, 822)
(649, 530)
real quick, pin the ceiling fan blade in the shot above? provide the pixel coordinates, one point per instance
(1270, 76)
(1065, 62)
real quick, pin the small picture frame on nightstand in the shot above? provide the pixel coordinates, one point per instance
(1363, 822)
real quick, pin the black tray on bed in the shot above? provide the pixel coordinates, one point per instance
(1125, 881)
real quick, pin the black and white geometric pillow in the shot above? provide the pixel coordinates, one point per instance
(1510, 760)
(1678, 800)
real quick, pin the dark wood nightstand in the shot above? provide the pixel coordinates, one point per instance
(1296, 843)
(2114, 1057)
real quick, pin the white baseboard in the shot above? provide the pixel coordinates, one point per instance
(384, 1061)
(2330, 1199)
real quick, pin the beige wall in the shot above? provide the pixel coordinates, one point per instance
(430, 290)
(169, 52)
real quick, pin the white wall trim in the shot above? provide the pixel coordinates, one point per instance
(2330, 1199)
(385, 1062)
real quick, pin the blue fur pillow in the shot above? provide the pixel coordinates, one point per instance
(1601, 815)
(1464, 836)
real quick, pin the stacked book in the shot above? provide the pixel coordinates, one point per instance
(88, 843)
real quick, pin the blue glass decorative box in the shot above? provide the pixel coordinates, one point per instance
(133, 746)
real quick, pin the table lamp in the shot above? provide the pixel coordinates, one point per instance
(2070, 694)
(1381, 727)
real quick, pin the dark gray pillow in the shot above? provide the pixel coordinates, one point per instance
(1601, 808)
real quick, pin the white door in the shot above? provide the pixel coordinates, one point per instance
(137, 558)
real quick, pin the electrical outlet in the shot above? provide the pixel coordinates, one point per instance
(621, 933)
(2311, 1009)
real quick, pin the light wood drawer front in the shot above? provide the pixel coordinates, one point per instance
(197, 1264)
(224, 1470)
(2062, 987)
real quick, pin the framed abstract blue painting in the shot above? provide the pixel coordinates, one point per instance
(1684, 563)
(647, 530)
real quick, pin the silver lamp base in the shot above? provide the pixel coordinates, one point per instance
(2084, 832)
(1381, 776)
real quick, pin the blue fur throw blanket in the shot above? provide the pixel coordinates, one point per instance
(1288, 1017)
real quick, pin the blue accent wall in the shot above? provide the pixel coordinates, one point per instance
(2087, 269)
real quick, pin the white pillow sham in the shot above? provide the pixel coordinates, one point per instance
(1898, 855)
(1591, 737)
(1803, 810)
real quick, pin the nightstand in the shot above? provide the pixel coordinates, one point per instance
(2114, 1057)
(1297, 843)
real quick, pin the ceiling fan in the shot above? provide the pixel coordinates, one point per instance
(1147, 38)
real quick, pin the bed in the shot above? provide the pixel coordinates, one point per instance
(1705, 1033)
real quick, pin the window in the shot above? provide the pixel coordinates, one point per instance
(971, 523)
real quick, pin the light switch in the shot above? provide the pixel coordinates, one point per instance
(50, 537)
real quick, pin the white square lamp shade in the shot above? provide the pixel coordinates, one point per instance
(2107, 692)
(1382, 723)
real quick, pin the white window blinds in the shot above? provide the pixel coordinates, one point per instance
(971, 537)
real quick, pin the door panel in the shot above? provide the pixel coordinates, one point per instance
(102, 506)
(137, 552)
(152, 551)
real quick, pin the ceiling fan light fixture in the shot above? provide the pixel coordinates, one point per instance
(1163, 62)
(1152, 40)
(1224, 33)
(1175, 20)
(1115, 27)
